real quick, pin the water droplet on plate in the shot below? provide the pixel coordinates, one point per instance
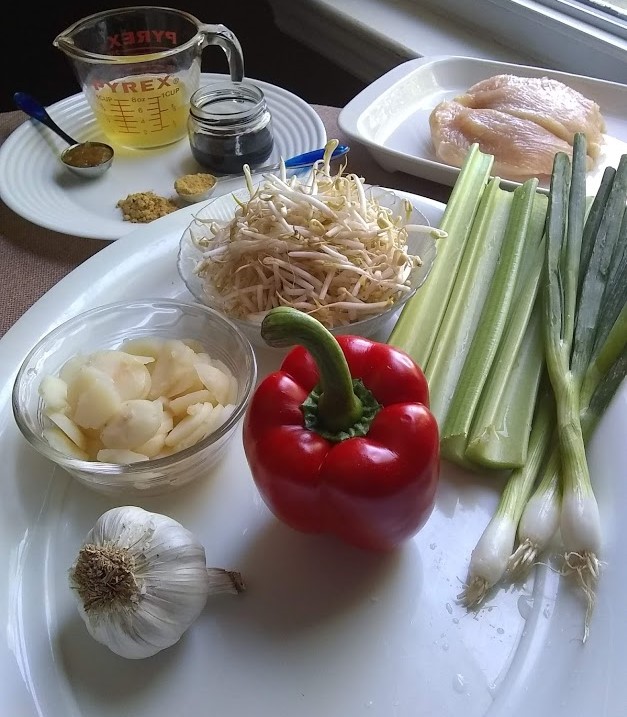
(525, 606)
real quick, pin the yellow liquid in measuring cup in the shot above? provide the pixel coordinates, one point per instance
(142, 111)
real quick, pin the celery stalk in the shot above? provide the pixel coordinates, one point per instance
(494, 315)
(466, 304)
(419, 321)
(499, 435)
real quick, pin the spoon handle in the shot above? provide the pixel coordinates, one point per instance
(37, 111)
(300, 160)
(303, 160)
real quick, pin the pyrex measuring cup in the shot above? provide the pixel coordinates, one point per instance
(138, 67)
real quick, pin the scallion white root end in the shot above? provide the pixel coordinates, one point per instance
(488, 561)
(586, 568)
(474, 592)
(522, 560)
(581, 532)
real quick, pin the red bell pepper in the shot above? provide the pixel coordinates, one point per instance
(340, 439)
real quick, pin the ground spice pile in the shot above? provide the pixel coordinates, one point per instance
(144, 207)
(194, 183)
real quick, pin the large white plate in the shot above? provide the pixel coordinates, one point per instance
(391, 116)
(35, 185)
(323, 630)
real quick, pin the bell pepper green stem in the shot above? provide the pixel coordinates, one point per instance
(338, 406)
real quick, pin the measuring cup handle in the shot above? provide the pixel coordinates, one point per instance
(222, 36)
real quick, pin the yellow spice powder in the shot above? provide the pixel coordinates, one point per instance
(144, 207)
(194, 183)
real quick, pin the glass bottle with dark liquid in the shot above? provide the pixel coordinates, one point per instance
(229, 126)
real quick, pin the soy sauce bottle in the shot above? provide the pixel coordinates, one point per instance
(229, 126)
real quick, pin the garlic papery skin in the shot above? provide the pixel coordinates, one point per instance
(141, 579)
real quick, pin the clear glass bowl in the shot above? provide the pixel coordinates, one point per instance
(107, 327)
(221, 210)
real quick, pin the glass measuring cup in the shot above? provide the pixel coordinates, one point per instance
(139, 66)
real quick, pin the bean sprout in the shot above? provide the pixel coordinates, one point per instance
(324, 245)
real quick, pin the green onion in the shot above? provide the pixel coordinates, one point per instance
(419, 321)
(584, 322)
(608, 353)
(534, 520)
(571, 247)
(485, 340)
(593, 221)
(614, 293)
(598, 274)
(490, 558)
(562, 272)
(541, 516)
(569, 345)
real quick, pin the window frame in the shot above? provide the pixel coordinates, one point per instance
(592, 14)
(533, 26)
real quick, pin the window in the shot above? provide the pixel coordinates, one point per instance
(586, 37)
(369, 37)
(609, 15)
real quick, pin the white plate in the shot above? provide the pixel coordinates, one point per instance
(35, 185)
(391, 116)
(323, 630)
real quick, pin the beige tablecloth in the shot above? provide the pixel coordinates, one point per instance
(34, 259)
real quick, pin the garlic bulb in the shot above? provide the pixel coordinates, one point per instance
(141, 579)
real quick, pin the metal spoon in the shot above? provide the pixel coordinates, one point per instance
(87, 159)
(300, 160)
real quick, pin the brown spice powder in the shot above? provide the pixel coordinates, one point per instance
(144, 207)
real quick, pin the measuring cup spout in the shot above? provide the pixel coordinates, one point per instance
(223, 37)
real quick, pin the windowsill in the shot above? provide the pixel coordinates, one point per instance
(369, 37)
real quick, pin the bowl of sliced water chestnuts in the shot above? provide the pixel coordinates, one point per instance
(136, 398)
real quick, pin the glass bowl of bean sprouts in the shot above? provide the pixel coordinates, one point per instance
(345, 252)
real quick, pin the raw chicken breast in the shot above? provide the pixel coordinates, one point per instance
(521, 148)
(550, 103)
